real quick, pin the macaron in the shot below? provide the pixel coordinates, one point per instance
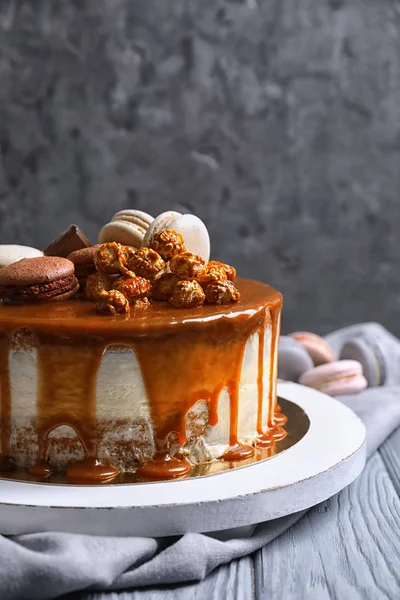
(127, 227)
(194, 231)
(337, 378)
(294, 359)
(10, 253)
(316, 346)
(84, 263)
(37, 280)
(368, 353)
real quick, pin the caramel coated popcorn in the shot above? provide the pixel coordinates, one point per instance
(141, 303)
(229, 270)
(133, 288)
(164, 286)
(221, 292)
(187, 265)
(168, 243)
(146, 262)
(112, 258)
(187, 294)
(112, 303)
(211, 274)
(128, 278)
(96, 284)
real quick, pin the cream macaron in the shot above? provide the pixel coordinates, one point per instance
(127, 227)
(337, 378)
(316, 346)
(195, 233)
(11, 253)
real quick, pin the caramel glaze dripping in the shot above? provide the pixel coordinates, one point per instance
(210, 363)
(205, 344)
(67, 396)
(264, 439)
(274, 431)
(276, 420)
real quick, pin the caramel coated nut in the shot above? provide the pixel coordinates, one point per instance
(164, 286)
(187, 294)
(133, 288)
(146, 262)
(96, 284)
(112, 303)
(168, 243)
(187, 265)
(112, 258)
(221, 292)
(229, 270)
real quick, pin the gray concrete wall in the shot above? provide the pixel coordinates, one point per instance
(276, 121)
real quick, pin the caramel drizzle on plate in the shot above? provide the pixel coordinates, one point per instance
(207, 347)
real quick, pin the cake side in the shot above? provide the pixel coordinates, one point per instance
(201, 386)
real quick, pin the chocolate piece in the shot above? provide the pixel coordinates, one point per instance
(70, 240)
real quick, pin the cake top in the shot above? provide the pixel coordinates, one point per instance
(141, 271)
(77, 317)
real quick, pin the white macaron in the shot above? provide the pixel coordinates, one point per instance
(11, 253)
(195, 233)
(126, 227)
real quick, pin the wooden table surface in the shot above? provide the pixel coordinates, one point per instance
(347, 548)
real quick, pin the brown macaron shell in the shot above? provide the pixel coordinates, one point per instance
(84, 263)
(84, 256)
(83, 271)
(42, 279)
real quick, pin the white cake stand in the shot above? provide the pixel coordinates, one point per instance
(329, 457)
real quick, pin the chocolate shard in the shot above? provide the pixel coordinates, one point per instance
(70, 240)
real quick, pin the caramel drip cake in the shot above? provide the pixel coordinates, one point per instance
(164, 362)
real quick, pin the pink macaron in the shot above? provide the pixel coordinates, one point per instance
(316, 346)
(336, 378)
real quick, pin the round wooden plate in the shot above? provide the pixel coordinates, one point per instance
(324, 452)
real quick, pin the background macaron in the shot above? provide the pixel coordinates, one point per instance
(127, 227)
(369, 355)
(316, 346)
(194, 231)
(294, 359)
(337, 378)
(42, 279)
(10, 253)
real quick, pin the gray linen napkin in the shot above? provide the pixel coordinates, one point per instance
(47, 565)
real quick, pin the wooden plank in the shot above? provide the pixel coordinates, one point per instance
(390, 453)
(346, 547)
